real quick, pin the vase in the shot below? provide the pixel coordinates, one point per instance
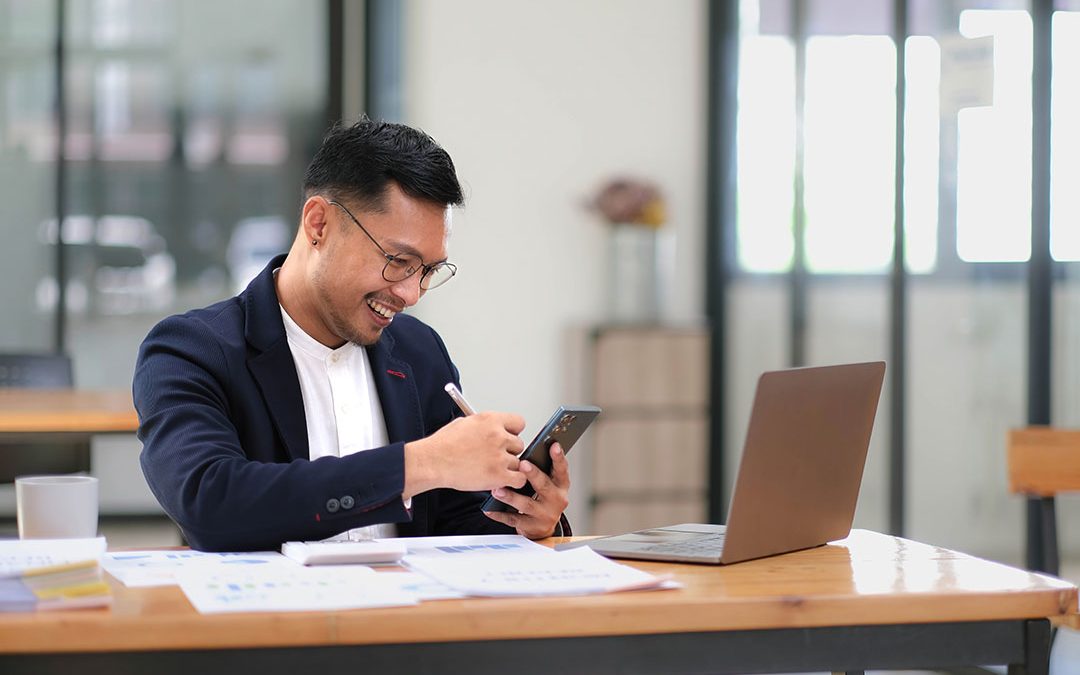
(640, 262)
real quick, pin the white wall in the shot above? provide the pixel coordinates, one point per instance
(538, 103)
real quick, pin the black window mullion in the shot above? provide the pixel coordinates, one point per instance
(723, 54)
(1041, 529)
(898, 298)
(59, 261)
(797, 277)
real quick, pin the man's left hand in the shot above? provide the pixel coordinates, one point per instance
(537, 515)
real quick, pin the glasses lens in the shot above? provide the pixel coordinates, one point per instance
(437, 276)
(401, 266)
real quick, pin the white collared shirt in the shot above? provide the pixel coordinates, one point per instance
(341, 404)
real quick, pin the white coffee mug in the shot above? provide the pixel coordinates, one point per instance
(56, 507)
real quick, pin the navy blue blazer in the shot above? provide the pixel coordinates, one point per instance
(225, 446)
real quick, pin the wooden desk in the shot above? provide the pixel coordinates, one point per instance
(34, 413)
(869, 601)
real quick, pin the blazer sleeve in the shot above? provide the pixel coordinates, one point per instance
(457, 512)
(237, 490)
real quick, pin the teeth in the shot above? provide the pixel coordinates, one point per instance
(381, 309)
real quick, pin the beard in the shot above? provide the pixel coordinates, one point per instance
(346, 331)
(340, 321)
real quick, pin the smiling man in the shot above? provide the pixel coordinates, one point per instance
(309, 405)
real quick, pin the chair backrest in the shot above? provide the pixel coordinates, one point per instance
(1044, 461)
(35, 371)
(39, 371)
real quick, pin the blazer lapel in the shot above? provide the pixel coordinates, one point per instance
(275, 373)
(397, 392)
(272, 363)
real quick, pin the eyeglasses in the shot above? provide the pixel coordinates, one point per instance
(401, 266)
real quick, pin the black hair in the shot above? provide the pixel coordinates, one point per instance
(358, 161)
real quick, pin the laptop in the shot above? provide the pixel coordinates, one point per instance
(798, 479)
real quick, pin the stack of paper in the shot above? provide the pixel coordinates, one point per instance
(19, 555)
(343, 552)
(68, 586)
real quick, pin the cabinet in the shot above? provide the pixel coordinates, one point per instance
(650, 445)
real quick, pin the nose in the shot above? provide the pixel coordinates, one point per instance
(407, 290)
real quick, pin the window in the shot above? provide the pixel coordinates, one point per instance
(967, 144)
(1065, 137)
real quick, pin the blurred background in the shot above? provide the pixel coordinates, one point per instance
(808, 182)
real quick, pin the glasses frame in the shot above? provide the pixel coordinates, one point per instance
(392, 258)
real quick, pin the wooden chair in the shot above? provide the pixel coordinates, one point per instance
(1042, 463)
(39, 371)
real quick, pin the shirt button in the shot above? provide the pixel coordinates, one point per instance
(332, 505)
(347, 502)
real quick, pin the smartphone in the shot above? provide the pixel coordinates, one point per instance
(565, 427)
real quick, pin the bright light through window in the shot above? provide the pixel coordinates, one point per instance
(1065, 127)
(850, 150)
(922, 130)
(993, 184)
(968, 114)
(766, 153)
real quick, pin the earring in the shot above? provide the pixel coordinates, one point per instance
(314, 242)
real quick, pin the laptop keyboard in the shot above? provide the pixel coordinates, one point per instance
(707, 545)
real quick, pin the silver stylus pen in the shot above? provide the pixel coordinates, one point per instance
(459, 398)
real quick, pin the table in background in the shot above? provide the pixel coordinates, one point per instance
(31, 414)
(870, 601)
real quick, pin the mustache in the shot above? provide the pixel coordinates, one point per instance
(390, 302)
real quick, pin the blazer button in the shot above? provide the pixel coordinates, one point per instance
(332, 505)
(347, 502)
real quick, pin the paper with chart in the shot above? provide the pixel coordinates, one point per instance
(158, 568)
(419, 585)
(18, 555)
(469, 544)
(215, 590)
(578, 571)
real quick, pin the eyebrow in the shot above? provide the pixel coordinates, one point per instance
(397, 247)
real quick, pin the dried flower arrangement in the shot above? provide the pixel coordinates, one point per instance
(630, 200)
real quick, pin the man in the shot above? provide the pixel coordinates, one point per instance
(309, 405)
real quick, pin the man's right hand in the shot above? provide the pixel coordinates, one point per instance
(473, 453)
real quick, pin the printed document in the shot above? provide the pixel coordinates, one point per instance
(413, 583)
(469, 544)
(579, 571)
(158, 568)
(214, 590)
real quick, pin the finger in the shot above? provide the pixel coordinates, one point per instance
(537, 478)
(515, 424)
(514, 445)
(526, 506)
(510, 519)
(560, 468)
(514, 479)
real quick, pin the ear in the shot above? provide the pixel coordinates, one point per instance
(313, 218)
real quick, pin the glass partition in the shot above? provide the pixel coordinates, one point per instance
(189, 126)
(825, 194)
(27, 171)
(968, 308)
(1065, 247)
